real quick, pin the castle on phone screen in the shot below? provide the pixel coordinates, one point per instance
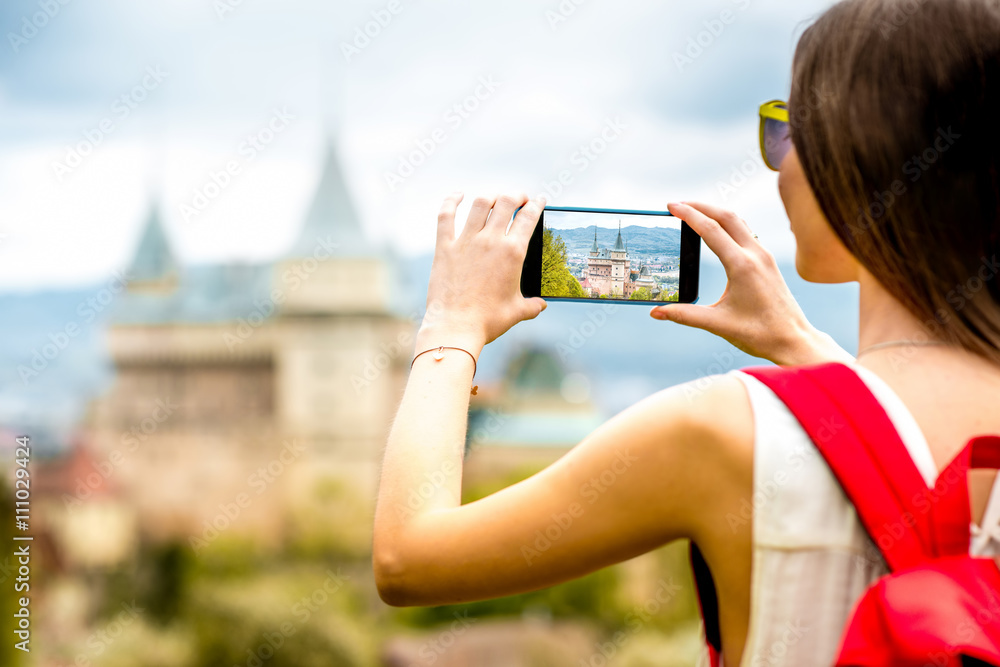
(609, 272)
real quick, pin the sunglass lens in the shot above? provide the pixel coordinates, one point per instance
(777, 141)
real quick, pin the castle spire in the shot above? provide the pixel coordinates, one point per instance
(619, 244)
(331, 214)
(153, 259)
(594, 249)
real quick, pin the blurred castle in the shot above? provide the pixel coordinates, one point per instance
(254, 401)
(609, 272)
(243, 389)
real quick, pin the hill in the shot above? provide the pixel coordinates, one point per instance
(646, 241)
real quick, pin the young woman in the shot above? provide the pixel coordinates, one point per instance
(890, 175)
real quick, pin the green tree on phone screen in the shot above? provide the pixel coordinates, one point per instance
(557, 281)
(642, 294)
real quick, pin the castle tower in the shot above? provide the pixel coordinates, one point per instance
(619, 266)
(619, 250)
(190, 410)
(332, 267)
(339, 360)
(153, 268)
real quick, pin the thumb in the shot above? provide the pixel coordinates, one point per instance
(699, 317)
(533, 308)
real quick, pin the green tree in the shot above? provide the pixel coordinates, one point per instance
(557, 281)
(642, 294)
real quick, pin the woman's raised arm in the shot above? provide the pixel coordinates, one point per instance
(671, 466)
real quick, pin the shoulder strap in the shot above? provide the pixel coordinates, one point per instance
(951, 490)
(855, 436)
(908, 521)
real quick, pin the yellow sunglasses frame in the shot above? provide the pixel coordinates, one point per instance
(773, 110)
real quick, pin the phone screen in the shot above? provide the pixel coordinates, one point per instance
(610, 255)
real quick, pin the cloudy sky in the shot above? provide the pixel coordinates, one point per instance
(608, 221)
(220, 111)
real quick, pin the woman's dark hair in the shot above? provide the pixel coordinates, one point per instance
(895, 115)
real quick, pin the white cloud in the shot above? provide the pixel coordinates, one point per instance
(686, 131)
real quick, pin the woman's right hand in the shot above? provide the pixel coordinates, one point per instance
(757, 312)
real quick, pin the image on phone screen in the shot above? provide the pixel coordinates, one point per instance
(593, 254)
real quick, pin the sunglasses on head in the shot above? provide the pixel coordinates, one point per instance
(775, 139)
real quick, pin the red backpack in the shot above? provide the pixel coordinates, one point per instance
(938, 607)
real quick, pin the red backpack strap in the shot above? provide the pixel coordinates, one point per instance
(907, 521)
(951, 490)
(855, 436)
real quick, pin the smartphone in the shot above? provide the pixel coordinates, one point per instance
(586, 255)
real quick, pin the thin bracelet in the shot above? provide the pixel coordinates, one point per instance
(439, 355)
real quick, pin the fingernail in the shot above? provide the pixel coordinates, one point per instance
(658, 315)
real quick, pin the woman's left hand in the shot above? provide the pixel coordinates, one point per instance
(474, 295)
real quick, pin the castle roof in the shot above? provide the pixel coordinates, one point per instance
(215, 293)
(332, 214)
(594, 249)
(203, 294)
(619, 244)
(153, 259)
